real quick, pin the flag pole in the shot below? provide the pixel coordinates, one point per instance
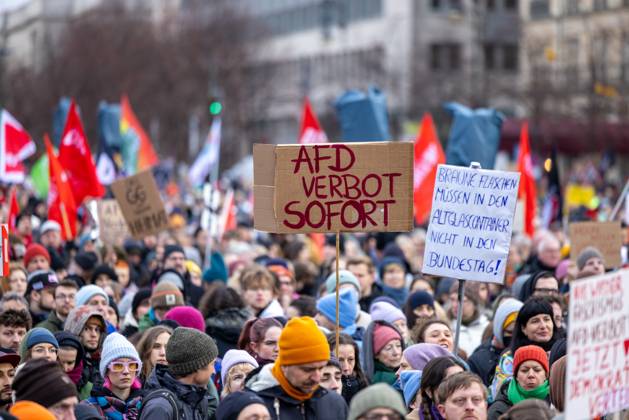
(338, 286)
(623, 194)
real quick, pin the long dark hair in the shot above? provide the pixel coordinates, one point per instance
(219, 298)
(254, 331)
(432, 376)
(145, 346)
(345, 339)
(532, 307)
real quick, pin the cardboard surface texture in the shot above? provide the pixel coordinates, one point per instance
(141, 204)
(605, 236)
(112, 226)
(355, 187)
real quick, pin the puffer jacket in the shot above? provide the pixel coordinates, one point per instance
(323, 405)
(225, 328)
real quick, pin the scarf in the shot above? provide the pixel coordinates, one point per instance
(75, 374)
(517, 394)
(383, 373)
(398, 295)
(287, 387)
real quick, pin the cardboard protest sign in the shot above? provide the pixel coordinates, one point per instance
(354, 187)
(471, 223)
(141, 204)
(4, 250)
(598, 343)
(604, 236)
(112, 226)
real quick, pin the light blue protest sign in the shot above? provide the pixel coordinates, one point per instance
(470, 224)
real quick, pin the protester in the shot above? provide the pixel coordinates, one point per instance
(290, 387)
(35, 381)
(434, 331)
(348, 355)
(235, 366)
(260, 291)
(36, 258)
(65, 297)
(242, 406)
(16, 281)
(590, 262)
(140, 305)
(530, 380)
(529, 409)
(331, 376)
(152, 349)
(225, 316)
(385, 311)
(392, 271)
(70, 357)
(546, 257)
(164, 297)
(260, 338)
(347, 280)
(13, 327)
(363, 269)
(120, 396)
(190, 355)
(186, 316)
(25, 410)
(306, 306)
(557, 382)
(40, 293)
(419, 306)
(8, 363)
(417, 356)
(39, 343)
(473, 321)
(94, 297)
(382, 352)
(348, 308)
(462, 395)
(376, 402)
(539, 284)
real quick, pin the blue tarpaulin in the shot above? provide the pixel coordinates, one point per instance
(474, 135)
(363, 116)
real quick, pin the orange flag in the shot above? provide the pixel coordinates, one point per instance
(527, 190)
(61, 205)
(428, 154)
(146, 155)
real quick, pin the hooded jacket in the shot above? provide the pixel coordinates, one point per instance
(501, 404)
(368, 361)
(322, 405)
(75, 323)
(193, 402)
(52, 323)
(225, 328)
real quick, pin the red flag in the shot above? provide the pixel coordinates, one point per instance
(15, 146)
(61, 204)
(311, 131)
(146, 155)
(76, 158)
(228, 214)
(527, 189)
(428, 154)
(14, 210)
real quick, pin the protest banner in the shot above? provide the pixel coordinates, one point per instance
(470, 224)
(597, 381)
(141, 204)
(112, 226)
(4, 250)
(604, 236)
(356, 187)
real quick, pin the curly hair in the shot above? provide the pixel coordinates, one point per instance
(13, 318)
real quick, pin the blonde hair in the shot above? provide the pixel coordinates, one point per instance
(237, 368)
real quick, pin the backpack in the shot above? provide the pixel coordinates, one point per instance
(161, 393)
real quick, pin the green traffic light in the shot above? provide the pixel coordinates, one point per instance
(216, 108)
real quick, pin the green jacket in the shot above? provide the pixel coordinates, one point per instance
(52, 323)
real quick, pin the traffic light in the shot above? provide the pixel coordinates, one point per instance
(215, 107)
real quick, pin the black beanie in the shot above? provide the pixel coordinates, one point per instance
(169, 249)
(67, 339)
(86, 260)
(106, 270)
(140, 296)
(36, 380)
(234, 403)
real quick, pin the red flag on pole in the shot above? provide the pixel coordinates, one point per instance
(15, 146)
(14, 210)
(311, 131)
(527, 190)
(146, 154)
(76, 158)
(61, 204)
(428, 154)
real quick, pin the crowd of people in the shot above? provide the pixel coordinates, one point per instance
(245, 328)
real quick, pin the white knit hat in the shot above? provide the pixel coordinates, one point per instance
(117, 347)
(234, 357)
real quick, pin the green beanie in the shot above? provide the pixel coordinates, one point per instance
(189, 350)
(376, 396)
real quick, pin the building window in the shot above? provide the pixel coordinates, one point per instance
(511, 4)
(600, 4)
(445, 56)
(510, 58)
(539, 9)
(491, 4)
(435, 4)
(572, 7)
(489, 53)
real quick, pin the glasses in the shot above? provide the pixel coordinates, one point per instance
(118, 367)
(65, 297)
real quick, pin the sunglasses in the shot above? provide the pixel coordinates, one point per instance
(118, 367)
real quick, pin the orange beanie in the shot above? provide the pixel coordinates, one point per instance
(29, 410)
(302, 342)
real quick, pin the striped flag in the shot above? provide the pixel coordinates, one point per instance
(209, 156)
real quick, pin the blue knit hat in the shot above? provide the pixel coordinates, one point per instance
(40, 335)
(345, 277)
(117, 347)
(389, 261)
(85, 293)
(217, 269)
(348, 307)
(410, 381)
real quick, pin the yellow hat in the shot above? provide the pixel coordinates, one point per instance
(302, 342)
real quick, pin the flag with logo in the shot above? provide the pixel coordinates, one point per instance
(15, 146)
(428, 155)
(61, 204)
(311, 131)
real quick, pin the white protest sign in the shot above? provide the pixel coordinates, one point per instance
(597, 375)
(471, 223)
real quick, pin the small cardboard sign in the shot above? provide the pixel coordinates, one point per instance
(348, 187)
(598, 346)
(471, 222)
(141, 204)
(4, 250)
(604, 236)
(112, 226)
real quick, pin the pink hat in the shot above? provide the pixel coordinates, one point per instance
(187, 316)
(382, 335)
(562, 269)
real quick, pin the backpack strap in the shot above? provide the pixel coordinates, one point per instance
(161, 393)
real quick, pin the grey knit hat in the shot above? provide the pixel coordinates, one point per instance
(376, 396)
(189, 350)
(587, 253)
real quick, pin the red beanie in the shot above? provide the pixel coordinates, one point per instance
(530, 353)
(382, 334)
(187, 316)
(34, 250)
